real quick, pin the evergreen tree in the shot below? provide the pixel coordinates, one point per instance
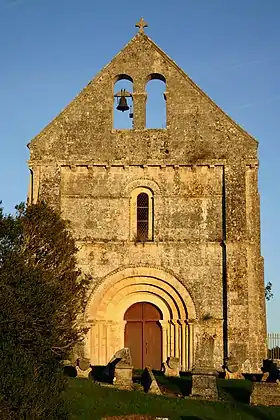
(42, 295)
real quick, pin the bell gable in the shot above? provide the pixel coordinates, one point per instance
(197, 130)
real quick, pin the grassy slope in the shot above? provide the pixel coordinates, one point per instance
(89, 401)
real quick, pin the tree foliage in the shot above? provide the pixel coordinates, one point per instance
(42, 295)
(268, 291)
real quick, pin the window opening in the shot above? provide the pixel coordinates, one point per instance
(156, 102)
(123, 102)
(142, 217)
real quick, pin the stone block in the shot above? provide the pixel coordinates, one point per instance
(233, 375)
(265, 393)
(83, 363)
(172, 366)
(83, 373)
(119, 369)
(123, 375)
(149, 382)
(122, 355)
(204, 384)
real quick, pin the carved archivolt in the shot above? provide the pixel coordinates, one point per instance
(146, 183)
(120, 286)
(111, 298)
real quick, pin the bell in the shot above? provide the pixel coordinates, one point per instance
(122, 105)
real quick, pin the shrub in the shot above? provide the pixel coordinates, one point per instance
(42, 294)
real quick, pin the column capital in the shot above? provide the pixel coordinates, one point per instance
(163, 322)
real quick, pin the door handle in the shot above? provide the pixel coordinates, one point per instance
(146, 346)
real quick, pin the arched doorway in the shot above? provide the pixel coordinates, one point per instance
(143, 335)
(111, 299)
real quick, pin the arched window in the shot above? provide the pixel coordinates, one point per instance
(156, 101)
(123, 90)
(142, 215)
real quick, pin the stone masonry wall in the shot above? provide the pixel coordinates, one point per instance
(204, 167)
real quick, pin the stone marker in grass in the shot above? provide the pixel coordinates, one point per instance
(265, 393)
(83, 368)
(172, 366)
(204, 374)
(119, 369)
(149, 382)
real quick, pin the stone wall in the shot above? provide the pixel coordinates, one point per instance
(202, 170)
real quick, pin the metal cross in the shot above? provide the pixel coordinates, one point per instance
(141, 25)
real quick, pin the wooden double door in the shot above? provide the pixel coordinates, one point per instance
(143, 335)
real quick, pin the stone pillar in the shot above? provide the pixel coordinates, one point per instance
(172, 338)
(139, 110)
(191, 344)
(121, 328)
(168, 338)
(204, 375)
(167, 98)
(177, 338)
(187, 346)
(164, 327)
(183, 344)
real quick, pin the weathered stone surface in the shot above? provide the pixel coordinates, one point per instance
(265, 377)
(119, 369)
(172, 366)
(232, 364)
(204, 384)
(276, 362)
(122, 357)
(122, 376)
(149, 382)
(233, 375)
(81, 373)
(265, 393)
(204, 375)
(233, 368)
(83, 363)
(201, 173)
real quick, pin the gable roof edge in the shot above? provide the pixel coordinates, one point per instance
(171, 61)
(197, 88)
(73, 101)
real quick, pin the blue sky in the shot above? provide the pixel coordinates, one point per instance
(50, 49)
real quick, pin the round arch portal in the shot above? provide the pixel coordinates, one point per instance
(120, 290)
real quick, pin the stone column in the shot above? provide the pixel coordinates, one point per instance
(183, 344)
(139, 110)
(177, 338)
(164, 326)
(172, 338)
(191, 344)
(121, 328)
(187, 350)
(168, 338)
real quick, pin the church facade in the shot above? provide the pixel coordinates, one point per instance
(167, 221)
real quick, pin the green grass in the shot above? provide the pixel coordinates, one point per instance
(88, 401)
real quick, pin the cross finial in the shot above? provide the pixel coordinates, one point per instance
(141, 25)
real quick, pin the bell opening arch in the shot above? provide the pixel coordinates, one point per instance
(110, 300)
(122, 102)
